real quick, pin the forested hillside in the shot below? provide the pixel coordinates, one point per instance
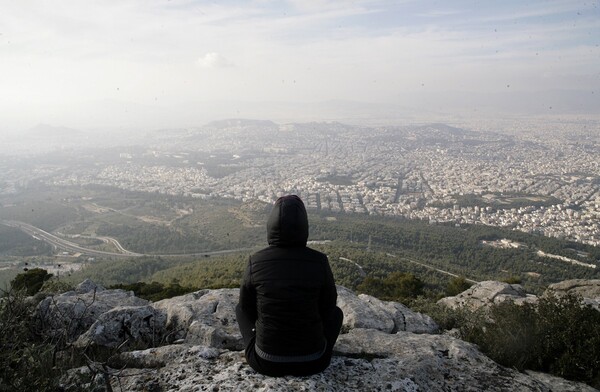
(175, 235)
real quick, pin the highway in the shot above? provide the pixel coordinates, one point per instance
(61, 243)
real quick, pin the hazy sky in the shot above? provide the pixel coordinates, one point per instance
(83, 63)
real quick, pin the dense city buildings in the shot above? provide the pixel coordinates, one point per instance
(542, 177)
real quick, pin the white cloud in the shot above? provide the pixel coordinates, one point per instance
(150, 52)
(213, 60)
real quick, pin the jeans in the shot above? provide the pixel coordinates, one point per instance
(332, 328)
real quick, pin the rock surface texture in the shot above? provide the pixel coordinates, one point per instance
(197, 347)
(588, 289)
(487, 293)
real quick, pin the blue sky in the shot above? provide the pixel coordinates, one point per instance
(58, 59)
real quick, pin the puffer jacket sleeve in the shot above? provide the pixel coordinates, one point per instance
(248, 294)
(328, 297)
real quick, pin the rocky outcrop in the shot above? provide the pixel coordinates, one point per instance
(126, 326)
(488, 293)
(68, 315)
(204, 317)
(491, 292)
(365, 311)
(365, 360)
(588, 289)
(384, 347)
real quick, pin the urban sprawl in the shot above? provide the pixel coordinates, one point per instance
(545, 180)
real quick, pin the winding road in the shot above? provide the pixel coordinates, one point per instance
(61, 243)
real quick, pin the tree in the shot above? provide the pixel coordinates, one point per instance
(31, 280)
(457, 285)
(403, 285)
(396, 286)
(372, 286)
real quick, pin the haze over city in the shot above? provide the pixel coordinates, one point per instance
(447, 159)
(152, 64)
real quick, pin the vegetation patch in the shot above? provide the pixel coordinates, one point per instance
(559, 335)
(155, 291)
(335, 179)
(503, 200)
(16, 243)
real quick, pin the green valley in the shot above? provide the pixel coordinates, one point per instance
(122, 237)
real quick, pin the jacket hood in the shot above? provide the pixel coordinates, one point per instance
(288, 222)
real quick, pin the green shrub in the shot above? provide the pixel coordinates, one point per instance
(397, 286)
(507, 334)
(26, 363)
(512, 280)
(456, 286)
(569, 338)
(155, 291)
(56, 286)
(31, 280)
(559, 335)
(446, 318)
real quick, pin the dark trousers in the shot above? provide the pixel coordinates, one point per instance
(332, 328)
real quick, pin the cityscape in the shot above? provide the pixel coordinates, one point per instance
(534, 176)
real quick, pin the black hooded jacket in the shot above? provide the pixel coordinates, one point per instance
(288, 288)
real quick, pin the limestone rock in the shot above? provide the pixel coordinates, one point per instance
(379, 352)
(434, 363)
(126, 326)
(360, 314)
(72, 313)
(365, 311)
(88, 286)
(204, 317)
(403, 318)
(588, 289)
(487, 293)
(366, 360)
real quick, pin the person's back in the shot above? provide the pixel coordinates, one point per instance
(287, 312)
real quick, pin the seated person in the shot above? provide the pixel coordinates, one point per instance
(287, 311)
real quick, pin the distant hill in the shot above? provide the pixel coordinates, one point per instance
(49, 131)
(238, 123)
